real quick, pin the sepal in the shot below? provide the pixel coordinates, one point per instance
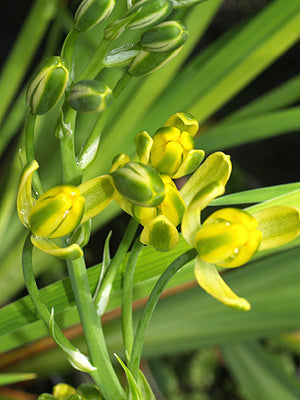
(98, 193)
(88, 391)
(210, 280)
(185, 3)
(71, 252)
(160, 233)
(25, 200)
(119, 161)
(279, 225)
(143, 144)
(192, 161)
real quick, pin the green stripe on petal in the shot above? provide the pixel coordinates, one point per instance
(24, 198)
(98, 194)
(65, 253)
(190, 164)
(209, 279)
(160, 233)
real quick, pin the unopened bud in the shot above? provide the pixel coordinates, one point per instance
(57, 212)
(48, 85)
(90, 96)
(61, 391)
(139, 184)
(185, 3)
(166, 36)
(91, 12)
(148, 12)
(185, 122)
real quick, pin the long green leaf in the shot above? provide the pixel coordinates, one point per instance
(7, 379)
(259, 374)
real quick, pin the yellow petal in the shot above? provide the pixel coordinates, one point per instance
(160, 233)
(143, 144)
(24, 198)
(209, 279)
(65, 253)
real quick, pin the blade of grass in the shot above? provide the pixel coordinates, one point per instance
(259, 373)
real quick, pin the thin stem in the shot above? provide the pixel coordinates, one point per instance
(117, 260)
(90, 148)
(95, 65)
(127, 297)
(71, 173)
(150, 306)
(92, 328)
(29, 149)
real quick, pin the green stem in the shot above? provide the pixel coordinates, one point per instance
(150, 306)
(92, 328)
(68, 49)
(29, 149)
(127, 297)
(115, 265)
(71, 173)
(90, 148)
(95, 65)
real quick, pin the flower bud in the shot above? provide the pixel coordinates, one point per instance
(185, 122)
(228, 238)
(46, 396)
(90, 96)
(148, 12)
(121, 56)
(147, 62)
(87, 391)
(91, 12)
(166, 36)
(139, 184)
(169, 149)
(185, 3)
(48, 85)
(57, 212)
(62, 391)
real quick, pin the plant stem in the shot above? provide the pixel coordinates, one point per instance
(71, 173)
(127, 297)
(29, 149)
(92, 328)
(150, 306)
(116, 262)
(95, 65)
(90, 148)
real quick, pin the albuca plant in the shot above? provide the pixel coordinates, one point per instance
(85, 157)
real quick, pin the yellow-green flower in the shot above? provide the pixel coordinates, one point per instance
(60, 210)
(171, 150)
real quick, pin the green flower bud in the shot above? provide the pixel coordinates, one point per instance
(147, 62)
(88, 391)
(48, 85)
(57, 212)
(228, 238)
(139, 184)
(46, 396)
(149, 12)
(91, 12)
(62, 391)
(185, 3)
(90, 96)
(166, 36)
